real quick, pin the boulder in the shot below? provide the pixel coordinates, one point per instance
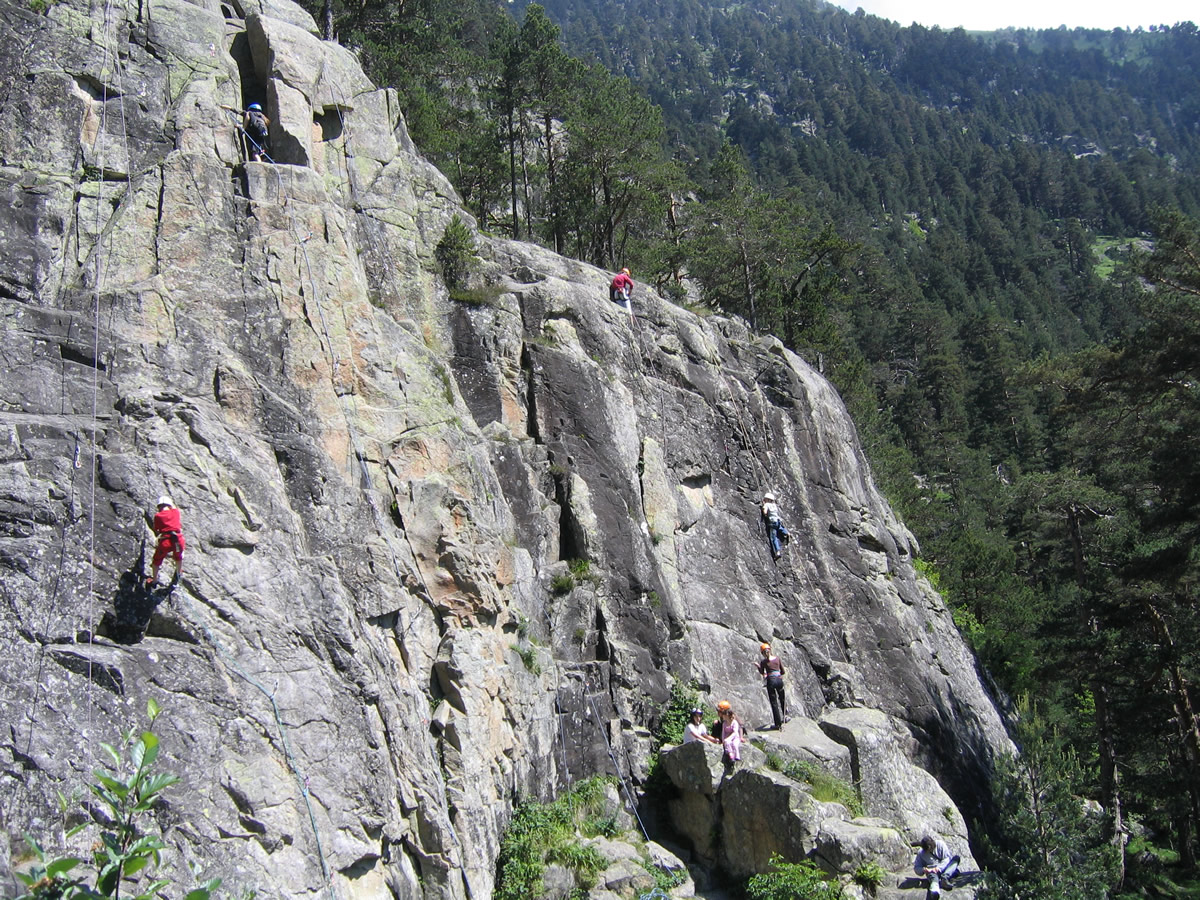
(891, 785)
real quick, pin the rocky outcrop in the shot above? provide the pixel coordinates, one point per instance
(380, 639)
(738, 817)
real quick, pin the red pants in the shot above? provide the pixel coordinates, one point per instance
(168, 543)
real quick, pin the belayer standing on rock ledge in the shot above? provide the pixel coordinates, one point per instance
(168, 529)
(770, 667)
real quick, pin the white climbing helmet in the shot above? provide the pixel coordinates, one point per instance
(768, 496)
(164, 500)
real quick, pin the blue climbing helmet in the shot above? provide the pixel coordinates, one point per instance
(255, 106)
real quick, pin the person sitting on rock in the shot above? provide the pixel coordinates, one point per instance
(168, 529)
(257, 126)
(770, 667)
(732, 732)
(695, 730)
(935, 863)
(777, 534)
(621, 288)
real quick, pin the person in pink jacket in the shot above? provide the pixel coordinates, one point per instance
(731, 732)
(168, 529)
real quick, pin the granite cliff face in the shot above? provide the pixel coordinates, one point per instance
(379, 642)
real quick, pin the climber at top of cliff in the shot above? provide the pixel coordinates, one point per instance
(777, 533)
(256, 127)
(168, 529)
(621, 288)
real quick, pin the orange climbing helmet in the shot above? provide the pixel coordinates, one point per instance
(724, 706)
(764, 647)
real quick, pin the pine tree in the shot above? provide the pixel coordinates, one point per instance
(1050, 844)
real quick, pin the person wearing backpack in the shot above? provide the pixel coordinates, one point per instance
(257, 127)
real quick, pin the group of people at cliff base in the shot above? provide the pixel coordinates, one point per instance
(933, 862)
(728, 730)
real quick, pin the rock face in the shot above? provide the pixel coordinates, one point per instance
(378, 643)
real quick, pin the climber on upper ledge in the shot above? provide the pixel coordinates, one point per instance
(168, 529)
(621, 288)
(256, 126)
(776, 531)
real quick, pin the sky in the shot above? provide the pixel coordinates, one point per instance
(1105, 14)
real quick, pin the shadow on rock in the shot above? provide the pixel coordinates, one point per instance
(133, 606)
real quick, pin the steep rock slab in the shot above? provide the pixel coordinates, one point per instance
(378, 643)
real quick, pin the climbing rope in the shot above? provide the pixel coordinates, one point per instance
(616, 768)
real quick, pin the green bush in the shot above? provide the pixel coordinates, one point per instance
(529, 657)
(678, 713)
(545, 832)
(792, 881)
(128, 792)
(869, 875)
(665, 879)
(455, 253)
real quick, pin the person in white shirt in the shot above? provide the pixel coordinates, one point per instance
(935, 863)
(695, 730)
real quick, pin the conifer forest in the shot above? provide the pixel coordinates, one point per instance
(990, 242)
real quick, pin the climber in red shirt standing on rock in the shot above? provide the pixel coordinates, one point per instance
(168, 529)
(621, 288)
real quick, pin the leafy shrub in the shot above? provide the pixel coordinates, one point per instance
(869, 875)
(665, 879)
(529, 657)
(601, 826)
(678, 713)
(825, 786)
(128, 792)
(792, 881)
(545, 832)
(455, 253)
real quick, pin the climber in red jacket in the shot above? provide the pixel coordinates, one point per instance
(168, 528)
(621, 288)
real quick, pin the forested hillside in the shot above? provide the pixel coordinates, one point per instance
(987, 242)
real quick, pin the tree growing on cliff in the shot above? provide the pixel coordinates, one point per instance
(1051, 845)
